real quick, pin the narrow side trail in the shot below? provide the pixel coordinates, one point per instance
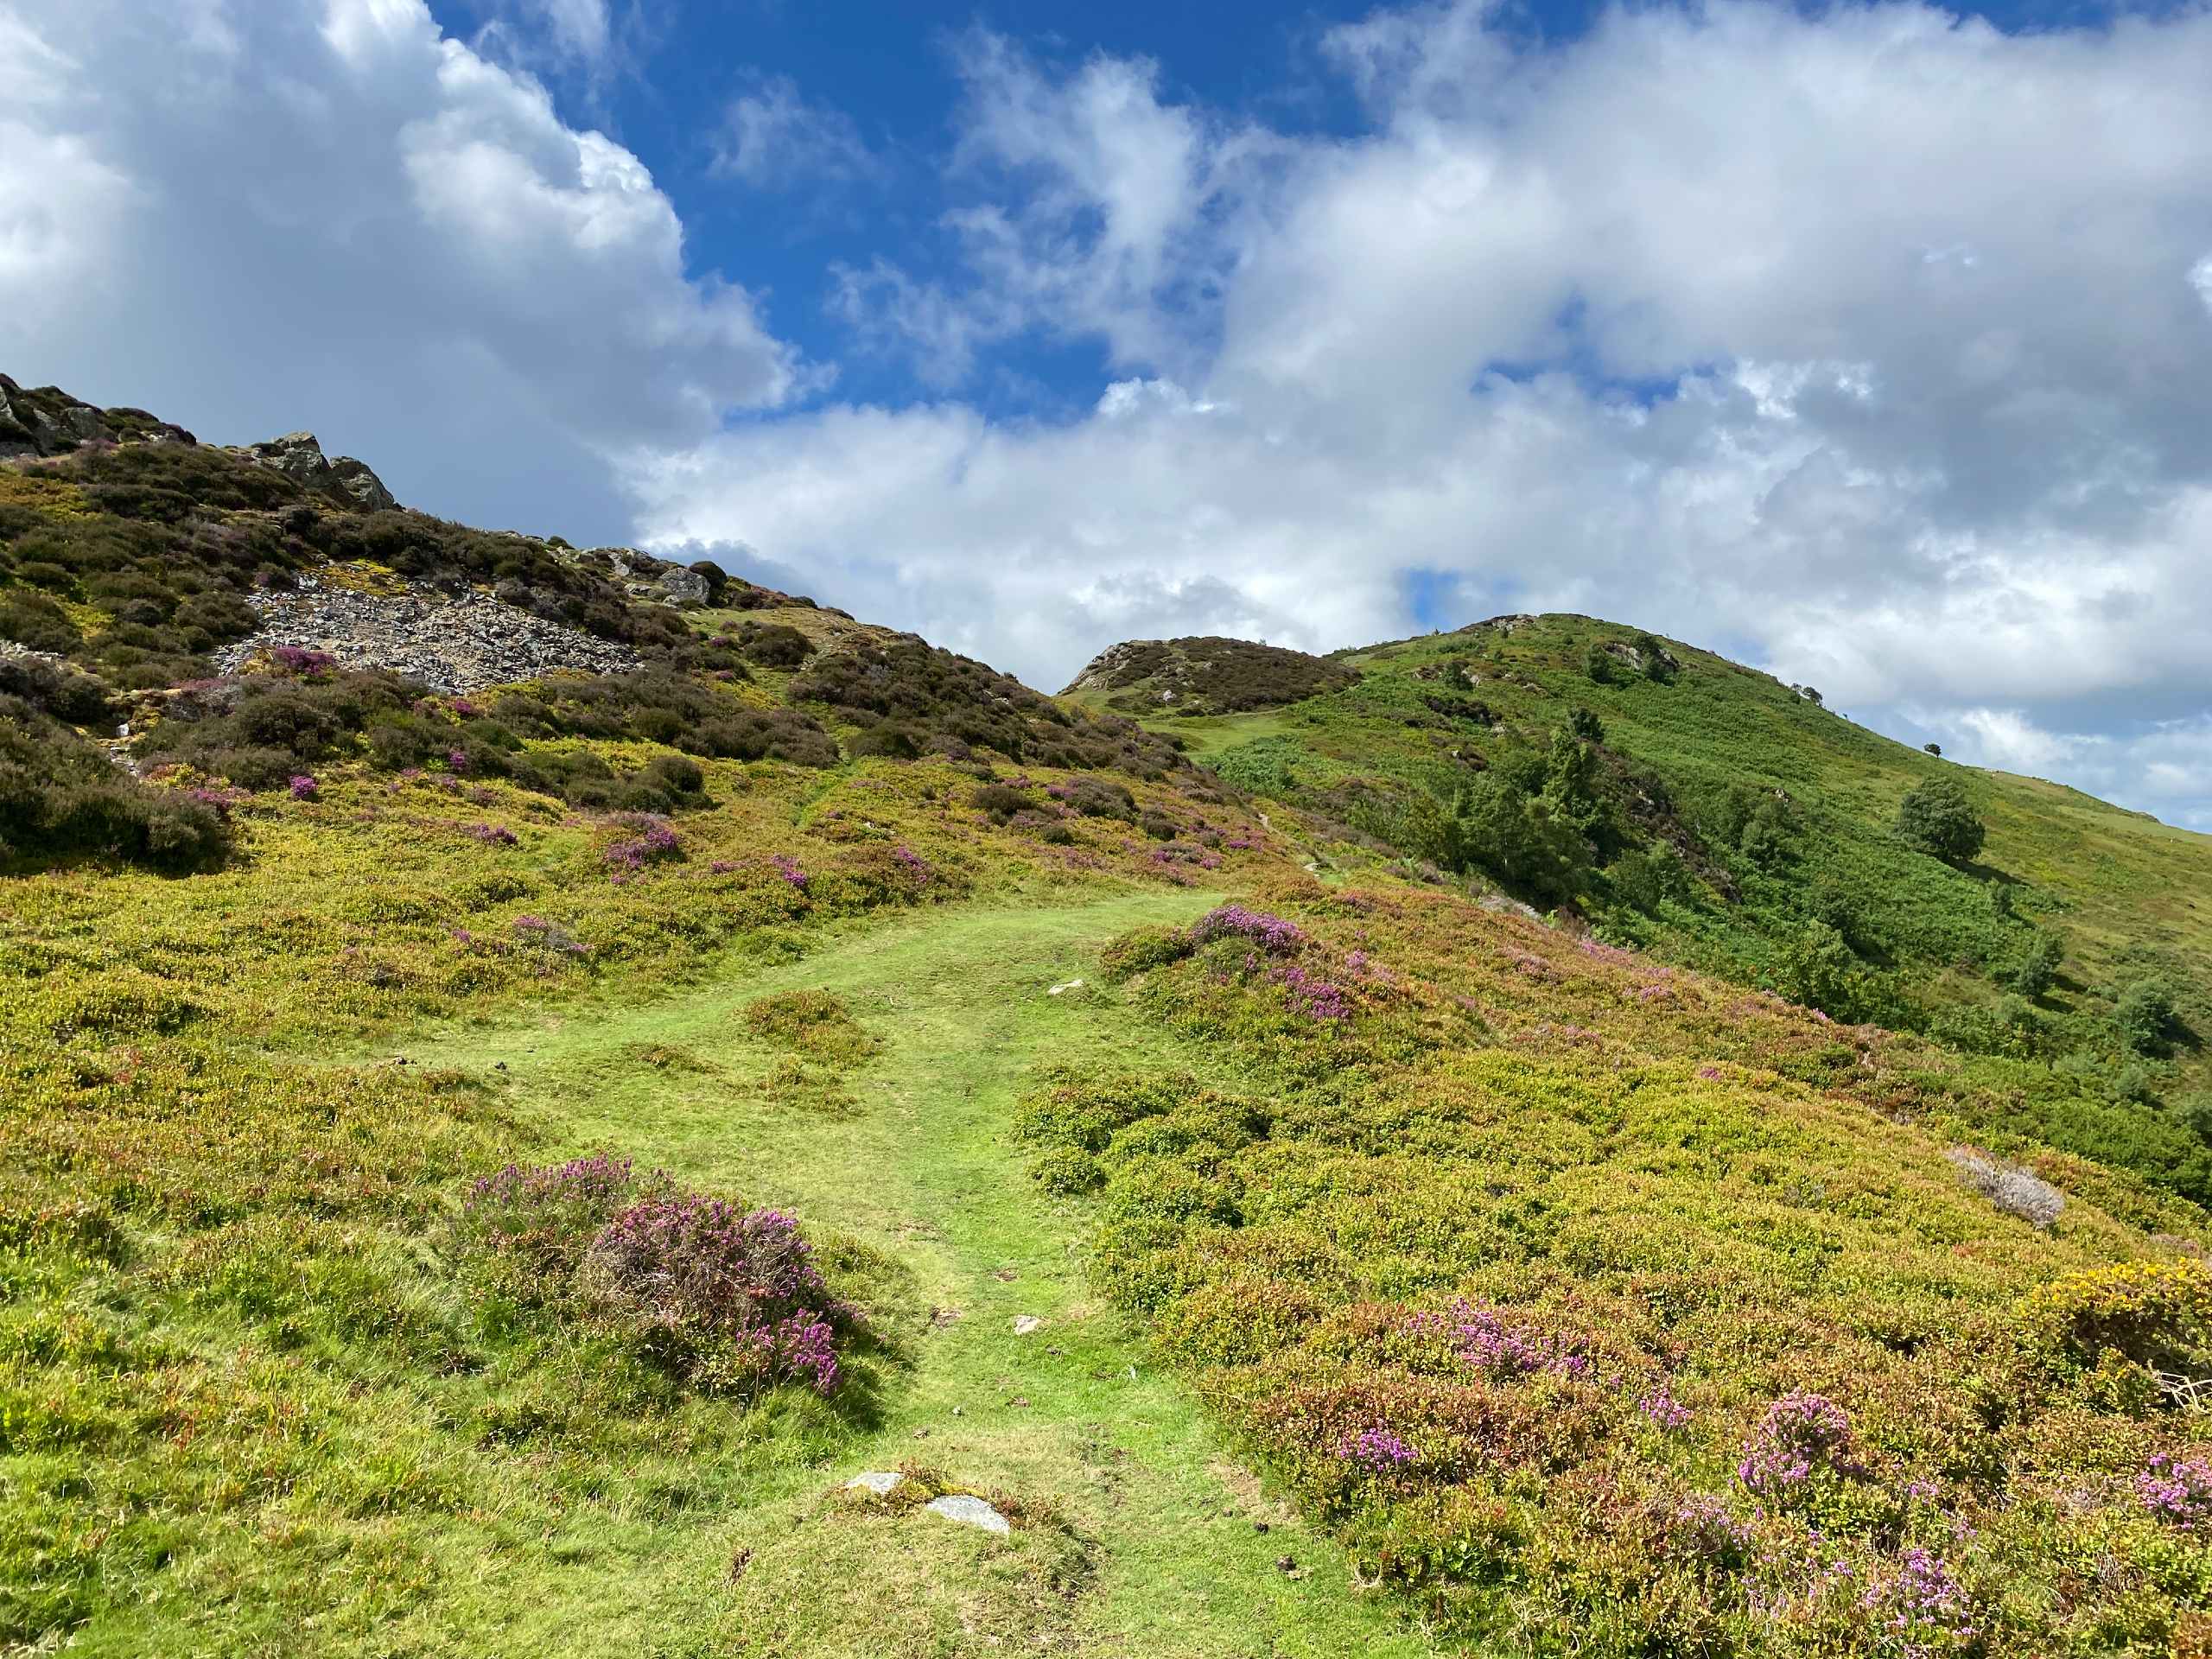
(1163, 1545)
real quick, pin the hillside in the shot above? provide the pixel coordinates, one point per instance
(528, 1070)
(1709, 814)
(1206, 675)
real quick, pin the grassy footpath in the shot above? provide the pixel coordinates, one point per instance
(1155, 1551)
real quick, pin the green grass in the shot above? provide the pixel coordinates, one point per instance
(1155, 1509)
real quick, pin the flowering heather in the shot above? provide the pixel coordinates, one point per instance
(655, 842)
(297, 659)
(304, 788)
(1923, 1610)
(2178, 1489)
(790, 870)
(1271, 933)
(1591, 945)
(913, 863)
(1376, 1450)
(803, 1348)
(548, 1213)
(712, 1277)
(721, 867)
(1664, 1411)
(1700, 1527)
(1800, 1433)
(1312, 997)
(457, 762)
(1710, 1073)
(494, 834)
(1483, 1336)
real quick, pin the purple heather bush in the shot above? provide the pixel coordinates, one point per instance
(1377, 1451)
(304, 788)
(732, 1298)
(1800, 1434)
(790, 870)
(1271, 933)
(1312, 995)
(1485, 1337)
(1921, 1609)
(494, 834)
(914, 864)
(1664, 1412)
(653, 840)
(1702, 1529)
(297, 659)
(2177, 1490)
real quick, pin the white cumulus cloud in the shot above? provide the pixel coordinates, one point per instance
(256, 216)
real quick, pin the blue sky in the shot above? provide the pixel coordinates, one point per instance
(1873, 344)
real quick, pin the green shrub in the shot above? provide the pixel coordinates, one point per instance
(813, 1023)
(2145, 1014)
(1939, 819)
(2037, 967)
(31, 619)
(61, 796)
(1000, 802)
(1067, 1171)
(1143, 950)
(1648, 880)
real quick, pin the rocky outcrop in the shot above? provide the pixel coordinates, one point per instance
(643, 577)
(47, 421)
(450, 644)
(297, 454)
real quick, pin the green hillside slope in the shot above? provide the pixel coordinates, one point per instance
(495, 1136)
(1705, 812)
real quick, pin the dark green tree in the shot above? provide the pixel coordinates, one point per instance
(1517, 839)
(1939, 819)
(1571, 788)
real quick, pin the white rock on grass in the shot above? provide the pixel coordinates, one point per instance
(1027, 1324)
(970, 1512)
(881, 1481)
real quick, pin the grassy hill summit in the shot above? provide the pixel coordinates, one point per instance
(555, 1103)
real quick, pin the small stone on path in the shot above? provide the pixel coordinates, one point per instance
(971, 1511)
